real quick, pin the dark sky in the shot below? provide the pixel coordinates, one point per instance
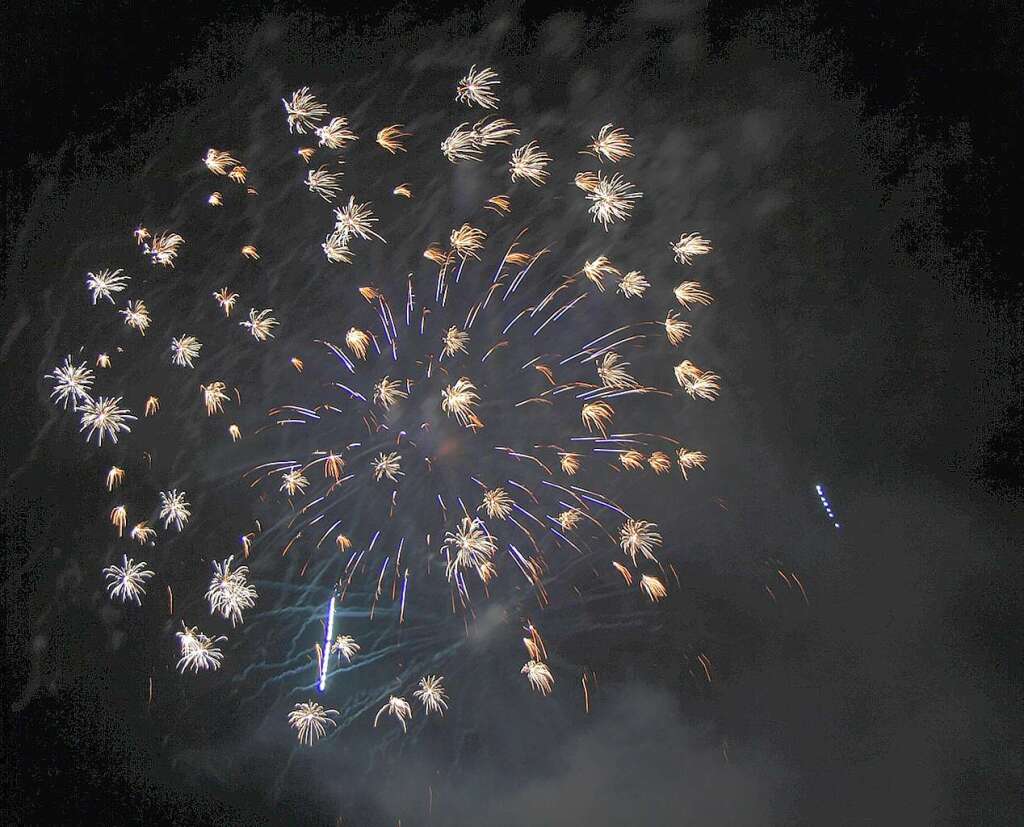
(856, 164)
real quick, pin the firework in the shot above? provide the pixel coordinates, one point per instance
(398, 708)
(142, 533)
(652, 587)
(336, 134)
(469, 547)
(324, 183)
(432, 694)
(539, 676)
(476, 88)
(387, 466)
(346, 646)
(198, 652)
(103, 417)
(226, 299)
(230, 593)
(71, 383)
(497, 504)
(185, 350)
(260, 324)
(119, 518)
(127, 581)
(690, 292)
(387, 392)
(467, 143)
(690, 245)
(104, 283)
(639, 537)
(136, 315)
(610, 144)
(174, 508)
(218, 161)
(115, 476)
(311, 720)
(675, 329)
(390, 138)
(528, 164)
(396, 499)
(304, 111)
(357, 341)
(633, 284)
(688, 460)
(214, 397)
(459, 400)
(611, 370)
(696, 382)
(467, 242)
(612, 199)
(293, 482)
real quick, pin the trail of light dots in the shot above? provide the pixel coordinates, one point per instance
(826, 504)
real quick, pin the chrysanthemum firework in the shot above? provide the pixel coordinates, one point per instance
(230, 592)
(136, 315)
(185, 350)
(199, 652)
(477, 88)
(612, 199)
(469, 547)
(260, 324)
(397, 708)
(610, 144)
(459, 400)
(497, 503)
(639, 537)
(174, 508)
(226, 299)
(467, 143)
(103, 417)
(127, 582)
(387, 466)
(218, 161)
(528, 164)
(336, 134)
(356, 220)
(310, 719)
(304, 111)
(633, 284)
(390, 138)
(690, 292)
(346, 646)
(214, 397)
(104, 283)
(432, 694)
(387, 392)
(71, 383)
(690, 245)
(539, 676)
(324, 183)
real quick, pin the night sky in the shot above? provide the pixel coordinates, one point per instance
(855, 164)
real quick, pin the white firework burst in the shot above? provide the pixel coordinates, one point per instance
(127, 581)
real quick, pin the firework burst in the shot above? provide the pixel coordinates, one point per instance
(376, 471)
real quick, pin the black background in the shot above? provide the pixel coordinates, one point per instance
(925, 587)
